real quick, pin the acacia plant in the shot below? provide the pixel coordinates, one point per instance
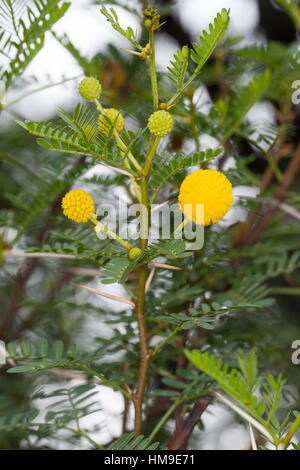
(192, 324)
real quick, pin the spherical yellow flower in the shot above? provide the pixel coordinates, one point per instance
(160, 123)
(107, 119)
(210, 188)
(78, 206)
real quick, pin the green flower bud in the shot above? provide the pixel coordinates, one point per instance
(160, 123)
(90, 89)
(134, 253)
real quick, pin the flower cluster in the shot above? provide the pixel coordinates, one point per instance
(209, 188)
(110, 117)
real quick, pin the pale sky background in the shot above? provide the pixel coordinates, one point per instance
(90, 32)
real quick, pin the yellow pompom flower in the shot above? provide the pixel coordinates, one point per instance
(78, 205)
(107, 119)
(210, 188)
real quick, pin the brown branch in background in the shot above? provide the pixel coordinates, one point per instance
(35, 315)
(268, 174)
(181, 364)
(123, 300)
(286, 116)
(23, 275)
(158, 408)
(180, 438)
(279, 194)
(126, 367)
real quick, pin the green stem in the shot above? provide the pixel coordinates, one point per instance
(104, 380)
(193, 124)
(145, 354)
(293, 429)
(75, 431)
(180, 227)
(100, 226)
(125, 151)
(292, 10)
(74, 411)
(169, 412)
(150, 155)
(285, 290)
(81, 433)
(153, 71)
(164, 419)
(119, 141)
(275, 168)
(166, 340)
(175, 97)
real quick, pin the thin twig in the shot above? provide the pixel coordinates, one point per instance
(85, 272)
(24, 254)
(165, 266)
(36, 90)
(274, 202)
(105, 294)
(252, 437)
(288, 178)
(180, 437)
(149, 280)
(159, 206)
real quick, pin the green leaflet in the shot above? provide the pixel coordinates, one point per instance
(210, 40)
(179, 164)
(241, 384)
(29, 33)
(242, 101)
(179, 66)
(130, 441)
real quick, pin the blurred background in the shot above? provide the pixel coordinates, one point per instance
(88, 30)
(257, 21)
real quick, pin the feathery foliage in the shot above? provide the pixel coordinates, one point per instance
(28, 36)
(114, 307)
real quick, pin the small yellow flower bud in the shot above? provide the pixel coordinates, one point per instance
(108, 117)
